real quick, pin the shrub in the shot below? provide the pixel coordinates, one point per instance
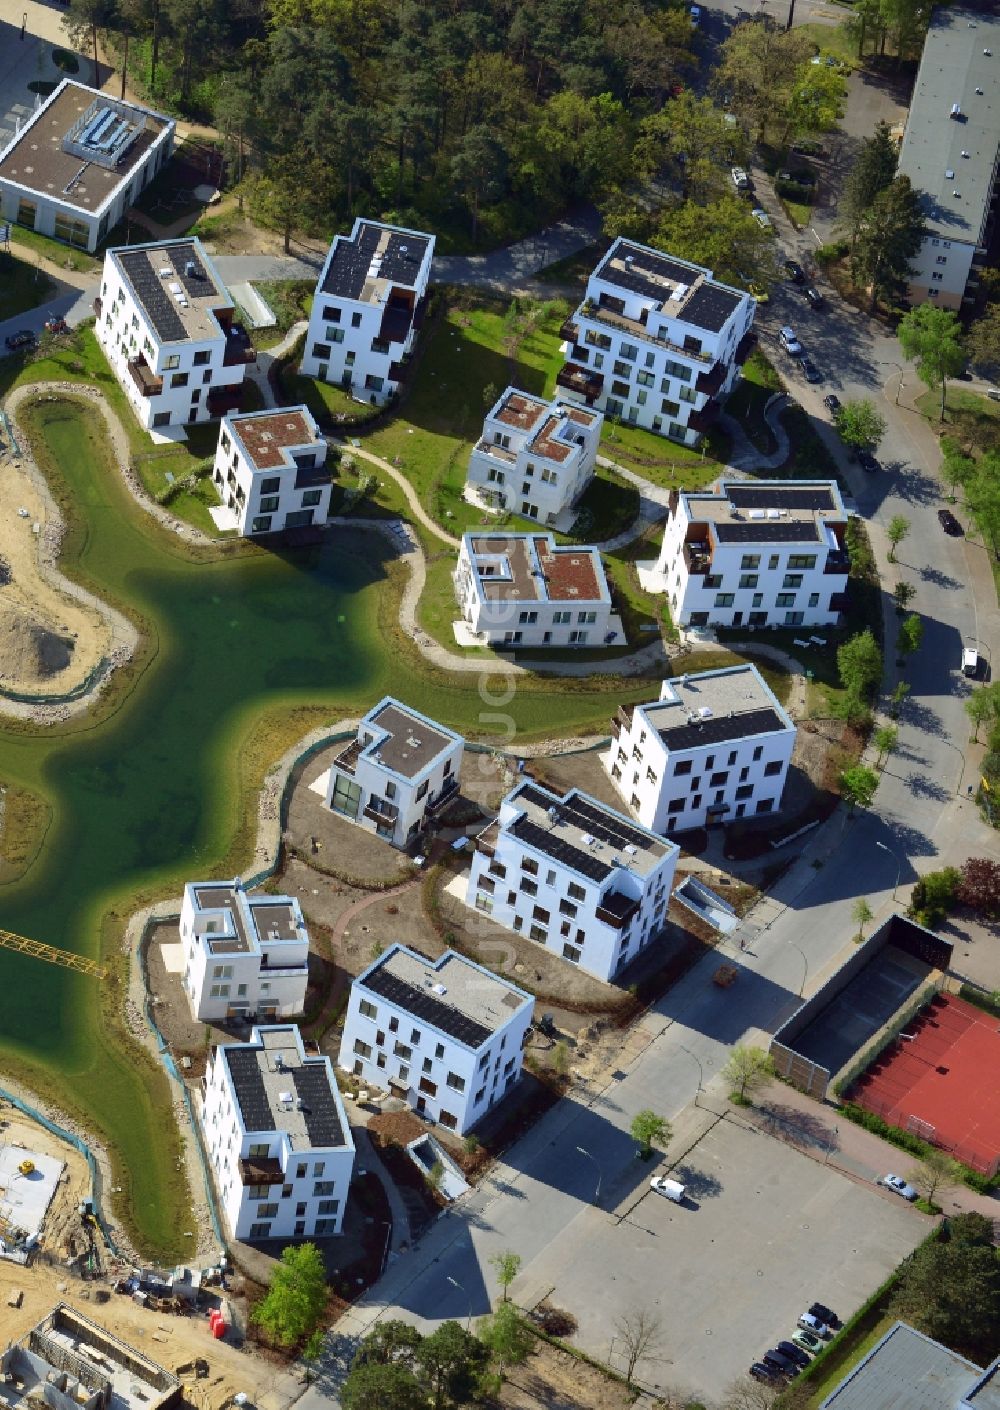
(827, 254)
(934, 896)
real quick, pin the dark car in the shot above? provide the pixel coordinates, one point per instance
(795, 272)
(794, 1353)
(768, 1374)
(812, 372)
(813, 297)
(832, 402)
(820, 1310)
(949, 523)
(23, 338)
(780, 1362)
(869, 464)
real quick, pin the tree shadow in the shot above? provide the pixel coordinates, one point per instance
(805, 1130)
(921, 786)
(698, 1184)
(936, 578)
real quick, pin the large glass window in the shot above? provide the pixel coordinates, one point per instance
(346, 797)
(26, 212)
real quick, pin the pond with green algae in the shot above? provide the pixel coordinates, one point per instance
(153, 794)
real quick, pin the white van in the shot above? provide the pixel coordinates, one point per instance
(970, 661)
(671, 1189)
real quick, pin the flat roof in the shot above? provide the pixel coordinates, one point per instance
(952, 159)
(680, 289)
(452, 994)
(767, 511)
(365, 265)
(711, 707)
(177, 285)
(279, 1089)
(266, 435)
(905, 1371)
(518, 409)
(76, 156)
(411, 743)
(533, 568)
(255, 919)
(583, 834)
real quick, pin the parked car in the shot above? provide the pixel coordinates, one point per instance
(808, 1322)
(946, 519)
(808, 1341)
(695, 13)
(794, 1353)
(820, 1310)
(23, 338)
(993, 393)
(898, 1185)
(867, 462)
(832, 402)
(741, 180)
(783, 1363)
(789, 342)
(795, 271)
(761, 217)
(670, 1189)
(812, 372)
(813, 297)
(770, 1375)
(970, 661)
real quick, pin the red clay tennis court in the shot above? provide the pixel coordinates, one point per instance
(941, 1080)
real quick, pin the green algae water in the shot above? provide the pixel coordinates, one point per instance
(152, 795)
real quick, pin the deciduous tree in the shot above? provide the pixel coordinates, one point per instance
(507, 1336)
(983, 342)
(859, 664)
(889, 234)
(722, 235)
(931, 338)
(650, 1130)
(450, 1363)
(860, 424)
(294, 1303)
(506, 1265)
(902, 594)
(933, 895)
(983, 705)
(935, 1171)
(861, 914)
(885, 740)
(871, 172)
(899, 527)
(979, 888)
(747, 1069)
(945, 1278)
(760, 68)
(380, 1386)
(640, 1333)
(857, 786)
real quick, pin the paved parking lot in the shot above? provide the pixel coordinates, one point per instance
(768, 1231)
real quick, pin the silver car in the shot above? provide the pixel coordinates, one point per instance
(898, 1185)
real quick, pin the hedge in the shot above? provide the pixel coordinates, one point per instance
(907, 1141)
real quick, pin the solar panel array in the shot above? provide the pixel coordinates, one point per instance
(717, 729)
(446, 1018)
(647, 273)
(552, 845)
(767, 531)
(155, 299)
(195, 285)
(319, 1107)
(351, 260)
(249, 1083)
(709, 307)
(746, 496)
(603, 824)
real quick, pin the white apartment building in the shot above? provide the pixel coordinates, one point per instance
(573, 874)
(755, 553)
(277, 1137)
(73, 168)
(657, 342)
(165, 322)
(951, 152)
(445, 1035)
(399, 771)
(368, 307)
(714, 747)
(244, 956)
(535, 457)
(523, 590)
(270, 470)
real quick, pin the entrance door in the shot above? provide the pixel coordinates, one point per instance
(737, 619)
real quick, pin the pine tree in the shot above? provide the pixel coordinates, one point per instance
(888, 237)
(872, 172)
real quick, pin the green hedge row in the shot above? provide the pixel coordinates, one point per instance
(907, 1141)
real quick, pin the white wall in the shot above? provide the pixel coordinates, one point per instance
(213, 983)
(940, 271)
(411, 795)
(251, 493)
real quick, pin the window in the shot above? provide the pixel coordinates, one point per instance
(539, 913)
(448, 1121)
(325, 1226)
(529, 866)
(271, 485)
(571, 953)
(535, 932)
(311, 498)
(683, 766)
(688, 394)
(765, 805)
(334, 335)
(324, 1187)
(526, 618)
(941, 259)
(260, 1231)
(261, 524)
(321, 350)
(758, 751)
(773, 562)
(428, 1087)
(586, 618)
(346, 797)
(439, 1050)
(814, 599)
(328, 1206)
(745, 790)
(724, 599)
(402, 1051)
(748, 580)
(270, 503)
(758, 599)
(567, 908)
(785, 599)
(670, 408)
(331, 313)
(750, 561)
(629, 351)
(712, 580)
(561, 619)
(414, 1035)
(578, 893)
(363, 1050)
(258, 1150)
(355, 320)
(644, 379)
(718, 780)
(792, 580)
(373, 383)
(937, 277)
(456, 1083)
(368, 1009)
(772, 768)
(528, 888)
(621, 369)
(802, 560)
(201, 359)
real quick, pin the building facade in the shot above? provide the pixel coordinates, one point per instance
(522, 590)
(397, 774)
(74, 167)
(270, 470)
(446, 1036)
(277, 1137)
(244, 956)
(573, 875)
(167, 326)
(657, 342)
(951, 153)
(756, 553)
(716, 746)
(368, 308)
(535, 458)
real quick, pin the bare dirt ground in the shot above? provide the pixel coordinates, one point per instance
(552, 1379)
(62, 1233)
(49, 642)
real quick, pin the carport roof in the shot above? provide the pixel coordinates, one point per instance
(906, 1371)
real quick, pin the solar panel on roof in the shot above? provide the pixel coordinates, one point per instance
(444, 1017)
(552, 845)
(756, 497)
(646, 273)
(719, 728)
(604, 824)
(151, 294)
(197, 283)
(319, 1106)
(709, 307)
(767, 531)
(249, 1084)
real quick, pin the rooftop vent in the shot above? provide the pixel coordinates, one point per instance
(286, 1098)
(631, 849)
(629, 261)
(190, 269)
(980, 92)
(588, 839)
(279, 1062)
(705, 712)
(165, 271)
(956, 195)
(681, 290)
(412, 742)
(553, 815)
(965, 154)
(956, 110)
(404, 249)
(439, 989)
(758, 514)
(988, 53)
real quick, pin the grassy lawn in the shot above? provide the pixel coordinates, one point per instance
(832, 39)
(327, 403)
(810, 458)
(289, 300)
(66, 256)
(22, 286)
(969, 417)
(574, 269)
(663, 461)
(759, 383)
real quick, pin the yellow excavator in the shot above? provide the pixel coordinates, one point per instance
(39, 951)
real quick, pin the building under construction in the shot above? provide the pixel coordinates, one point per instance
(68, 1362)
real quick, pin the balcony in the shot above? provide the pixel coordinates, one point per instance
(98, 305)
(397, 319)
(698, 557)
(711, 382)
(837, 562)
(347, 758)
(144, 377)
(616, 909)
(381, 812)
(223, 399)
(744, 348)
(260, 1170)
(701, 421)
(839, 602)
(485, 447)
(398, 370)
(595, 313)
(581, 380)
(306, 476)
(447, 790)
(569, 332)
(239, 349)
(486, 842)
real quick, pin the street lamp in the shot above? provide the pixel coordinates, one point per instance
(805, 966)
(897, 860)
(456, 1284)
(701, 1071)
(597, 1192)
